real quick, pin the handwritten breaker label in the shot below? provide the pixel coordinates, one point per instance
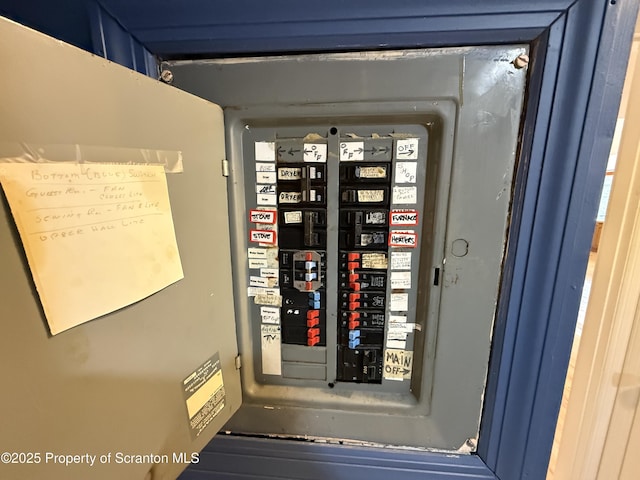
(350, 151)
(407, 149)
(403, 239)
(403, 217)
(262, 236)
(262, 216)
(315, 152)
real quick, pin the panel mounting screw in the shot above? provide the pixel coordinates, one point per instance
(166, 76)
(521, 61)
(471, 443)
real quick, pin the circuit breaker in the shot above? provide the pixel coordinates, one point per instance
(334, 229)
(369, 198)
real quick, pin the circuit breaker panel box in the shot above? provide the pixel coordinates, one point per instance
(334, 227)
(369, 205)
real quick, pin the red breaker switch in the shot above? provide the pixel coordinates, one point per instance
(353, 265)
(313, 341)
(351, 257)
(354, 320)
(313, 318)
(355, 286)
(354, 277)
(354, 304)
(313, 332)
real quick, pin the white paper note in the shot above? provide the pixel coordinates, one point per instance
(97, 237)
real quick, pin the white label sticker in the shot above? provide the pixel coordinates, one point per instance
(405, 195)
(289, 173)
(293, 217)
(371, 172)
(265, 167)
(290, 197)
(365, 196)
(406, 172)
(264, 291)
(269, 272)
(266, 199)
(407, 149)
(399, 344)
(270, 189)
(397, 364)
(403, 239)
(262, 299)
(400, 260)
(266, 151)
(269, 298)
(259, 282)
(266, 177)
(204, 394)
(395, 335)
(263, 216)
(258, 263)
(403, 327)
(253, 252)
(350, 151)
(403, 217)
(399, 302)
(397, 319)
(271, 356)
(374, 260)
(400, 280)
(315, 152)
(262, 236)
(270, 315)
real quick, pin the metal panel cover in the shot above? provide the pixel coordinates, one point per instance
(113, 386)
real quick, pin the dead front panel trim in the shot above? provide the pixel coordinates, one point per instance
(388, 244)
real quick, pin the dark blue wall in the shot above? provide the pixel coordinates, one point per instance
(67, 20)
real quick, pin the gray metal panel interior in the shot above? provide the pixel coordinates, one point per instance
(113, 384)
(470, 100)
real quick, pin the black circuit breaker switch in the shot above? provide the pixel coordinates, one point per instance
(311, 236)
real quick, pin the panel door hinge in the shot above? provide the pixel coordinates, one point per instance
(238, 362)
(225, 167)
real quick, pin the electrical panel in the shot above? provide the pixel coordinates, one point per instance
(334, 228)
(369, 198)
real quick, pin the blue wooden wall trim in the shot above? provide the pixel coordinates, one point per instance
(113, 42)
(251, 458)
(198, 27)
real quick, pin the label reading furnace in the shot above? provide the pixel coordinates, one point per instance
(204, 394)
